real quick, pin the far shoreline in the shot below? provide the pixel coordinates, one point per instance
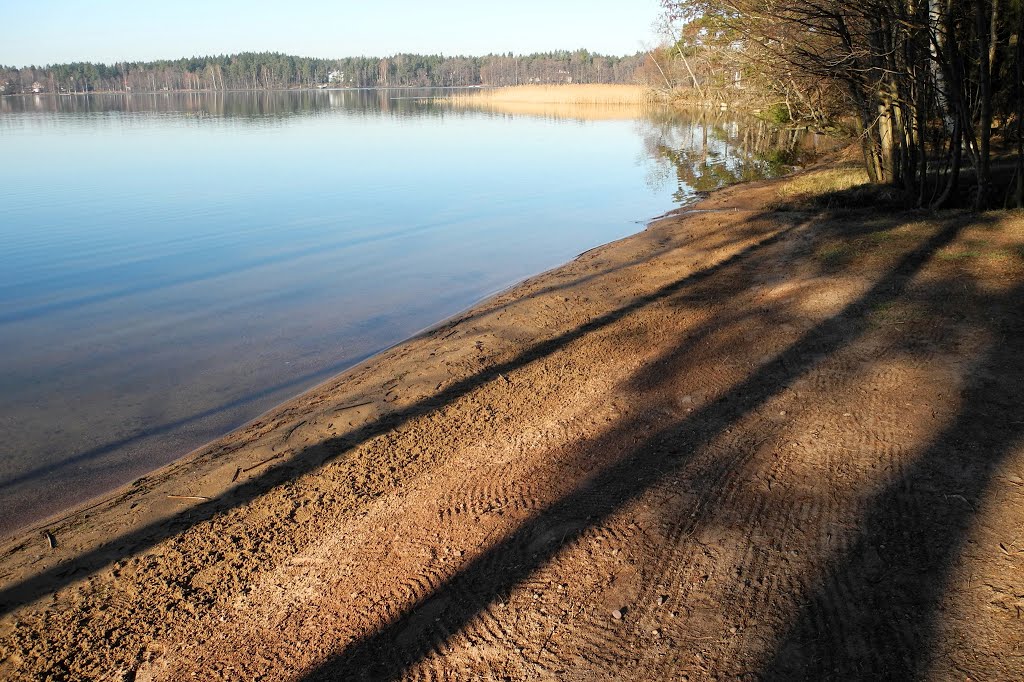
(214, 92)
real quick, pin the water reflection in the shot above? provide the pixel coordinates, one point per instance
(248, 105)
(703, 151)
(173, 264)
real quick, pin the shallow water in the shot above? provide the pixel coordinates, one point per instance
(172, 265)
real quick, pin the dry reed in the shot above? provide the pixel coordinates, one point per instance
(576, 95)
(580, 102)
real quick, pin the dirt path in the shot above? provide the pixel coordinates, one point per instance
(742, 444)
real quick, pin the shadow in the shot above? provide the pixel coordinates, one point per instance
(63, 573)
(423, 629)
(875, 611)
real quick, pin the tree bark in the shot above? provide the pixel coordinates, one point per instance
(982, 21)
(1020, 109)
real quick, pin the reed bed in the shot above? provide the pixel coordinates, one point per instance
(575, 95)
(578, 112)
(581, 102)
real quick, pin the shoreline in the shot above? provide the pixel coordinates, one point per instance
(677, 454)
(116, 435)
(40, 525)
(168, 474)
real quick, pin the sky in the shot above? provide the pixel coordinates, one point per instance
(42, 32)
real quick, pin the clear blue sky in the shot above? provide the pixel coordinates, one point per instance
(52, 31)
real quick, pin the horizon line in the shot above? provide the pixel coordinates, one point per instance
(275, 52)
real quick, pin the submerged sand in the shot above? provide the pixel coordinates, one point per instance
(742, 444)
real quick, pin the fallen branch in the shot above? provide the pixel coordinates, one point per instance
(259, 464)
(352, 407)
(292, 430)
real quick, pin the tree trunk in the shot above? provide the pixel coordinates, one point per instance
(1020, 109)
(953, 179)
(985, 99)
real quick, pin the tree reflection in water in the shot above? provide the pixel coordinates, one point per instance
(700, 152)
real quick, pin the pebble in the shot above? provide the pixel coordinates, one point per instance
(662, 599)
(617, 614)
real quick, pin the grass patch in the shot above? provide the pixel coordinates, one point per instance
(895, 313)
(958, 255)
(971, 249)
(1002, 255)
(821, 182)
(980, 249)
(882, 310)
(1014, 252)
(847, 186)
(879, 237)
(859, 239)
(835, 256)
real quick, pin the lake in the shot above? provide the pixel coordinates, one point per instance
(172, 265)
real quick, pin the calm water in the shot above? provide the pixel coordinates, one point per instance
(173, 265)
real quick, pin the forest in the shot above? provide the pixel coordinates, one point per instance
(932, 89)
(270, 70)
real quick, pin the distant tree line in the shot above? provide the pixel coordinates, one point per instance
(271, 70)
(935, 88)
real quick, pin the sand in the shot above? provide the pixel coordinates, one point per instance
(741, 444)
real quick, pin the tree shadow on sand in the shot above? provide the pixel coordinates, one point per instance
(875, 611)
(858, 626)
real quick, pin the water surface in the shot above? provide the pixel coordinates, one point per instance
(172, 265)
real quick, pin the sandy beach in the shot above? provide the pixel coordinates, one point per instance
(746, 443)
